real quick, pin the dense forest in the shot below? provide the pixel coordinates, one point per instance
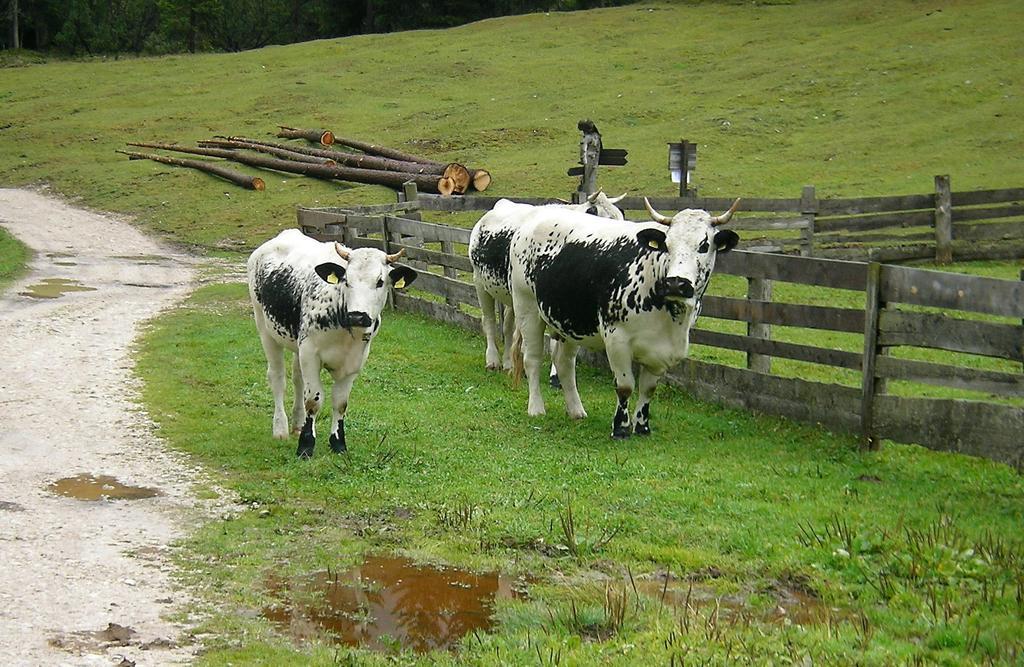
(77, 27)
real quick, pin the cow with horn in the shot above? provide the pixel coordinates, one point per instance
(631, 290)
(323, 302)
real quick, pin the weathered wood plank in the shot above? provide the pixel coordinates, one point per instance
(967, 427)
(758, 291)
(447, 288)
(890, 254)
(785, 314)
(833, 406)
(940, 289)
(957, 377)
(428, 256)
(476, 203)
(991, 213)
(932, 330)
(943, 221)
(1005, 249)
(803, 270)
(988, 231)
(769, 224)
(428, 231)
(861, 223)
(976, 197)
(849, 239)
(873, 303)
(436, 311)
(875, 204)
(669, 205)
(774, 348)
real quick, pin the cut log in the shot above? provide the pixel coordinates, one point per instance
(460, 177)
(384, 151)
(283, 153)
(481, 179)
(325, 137)
(393, 179)
(359, 160)
(236, 177)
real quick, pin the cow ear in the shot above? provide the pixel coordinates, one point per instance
(653, 239)
(330, 272)
(726, 240)
(402, 276)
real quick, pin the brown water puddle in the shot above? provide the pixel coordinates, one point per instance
(790, 606)
(99, 487)
(388, 601)
(51, 288)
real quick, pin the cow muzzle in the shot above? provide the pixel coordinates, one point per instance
(675, 288)
(359, 319)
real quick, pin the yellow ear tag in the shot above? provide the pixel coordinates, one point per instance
(332, 278)
(400, 283)
(653, 244)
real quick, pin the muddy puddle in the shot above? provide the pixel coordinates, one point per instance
(52, 288)
(388, 602)
(790, 605)
(99, 487)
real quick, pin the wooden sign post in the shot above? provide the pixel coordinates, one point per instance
(592, 154)
(682, 159)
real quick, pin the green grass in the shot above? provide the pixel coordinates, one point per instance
(753, 499)
(14, 256)
(855, 98)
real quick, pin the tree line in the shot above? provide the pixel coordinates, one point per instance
(82, 27)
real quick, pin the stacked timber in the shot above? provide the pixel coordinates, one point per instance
(374, 164)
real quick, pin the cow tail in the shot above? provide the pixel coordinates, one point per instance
(517, 358)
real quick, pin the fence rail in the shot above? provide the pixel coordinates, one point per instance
(980, 317)
(941, 225)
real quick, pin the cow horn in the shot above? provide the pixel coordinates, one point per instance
(725, 217)
(394, 258)
(657, 217)
(616, 200)
(341, 250)
(593, 197)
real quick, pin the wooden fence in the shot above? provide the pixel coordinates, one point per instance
(898, 309)
(943, 225)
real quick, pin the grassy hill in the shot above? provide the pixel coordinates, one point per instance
(856, 98)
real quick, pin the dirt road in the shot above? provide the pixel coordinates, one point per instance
(85, 582)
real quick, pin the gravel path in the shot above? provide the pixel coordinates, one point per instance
(85, 583)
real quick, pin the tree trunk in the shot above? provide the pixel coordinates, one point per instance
(478, 178)
(355, 159)
(325, 137)
(283, 153)
(15, 33)
(236, 177)
(392, 179)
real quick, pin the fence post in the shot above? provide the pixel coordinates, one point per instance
(759, 289)
(809, 209)
(943, 221)
(869, 385)
(590, 154)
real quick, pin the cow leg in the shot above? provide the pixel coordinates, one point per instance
(531, 328)
(553, 375)
(490, 327)
(620, 359)
(647, 385)
(312, 394)
(276, 378)
(564, 357)
(298, 409)
(508, 332)
(339, 405)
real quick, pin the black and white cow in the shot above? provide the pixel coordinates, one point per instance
(323, 302)
(488, 252)
(632, 290)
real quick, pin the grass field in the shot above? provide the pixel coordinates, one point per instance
(855, 98)
(916, 555)
(924, 567)
(13, 258)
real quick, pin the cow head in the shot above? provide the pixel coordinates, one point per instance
(691, 241)
(364, 281)
(599, 204)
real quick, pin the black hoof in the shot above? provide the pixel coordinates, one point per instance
(306, 440)
(555, 382)
(304, 451)
(338, 445)
(621, 433)
(642, 429)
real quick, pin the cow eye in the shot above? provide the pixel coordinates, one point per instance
(704, 246)
(380, 283)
